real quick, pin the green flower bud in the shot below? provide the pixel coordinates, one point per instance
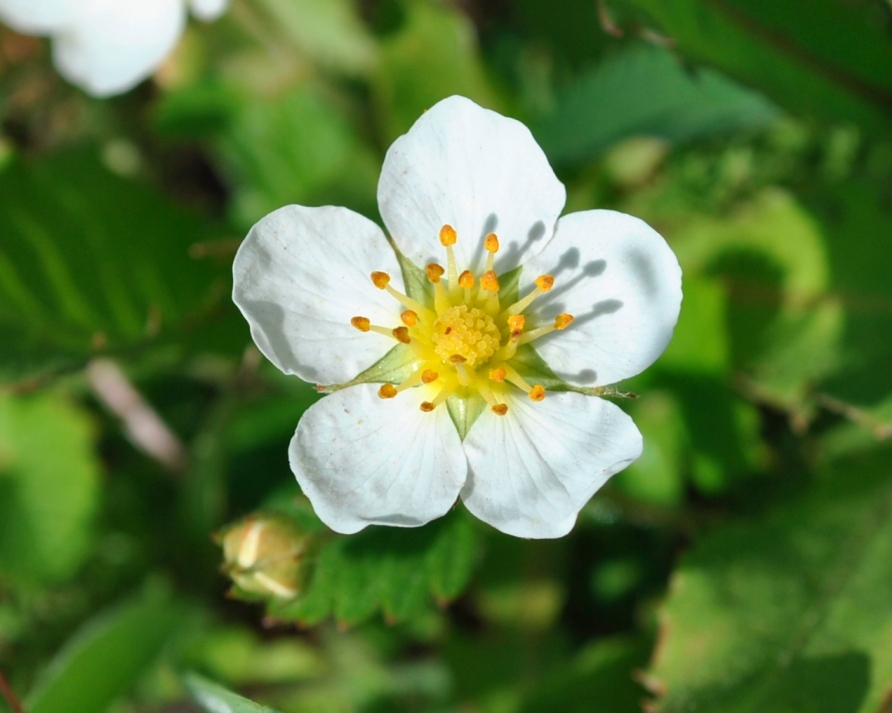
(267, 556)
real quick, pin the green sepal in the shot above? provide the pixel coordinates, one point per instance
(394, 367)
(509, 284)
(464, 411)
(418, 287)
(533, 368)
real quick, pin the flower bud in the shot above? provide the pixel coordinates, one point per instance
(266, 556)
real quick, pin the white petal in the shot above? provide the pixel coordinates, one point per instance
(622, 283)
(109, 46)
(301, 275)
(477, 171)
(364, 461)
(532, 470)
(208, 10)
(35, 17)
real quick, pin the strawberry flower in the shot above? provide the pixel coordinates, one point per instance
(467, 352)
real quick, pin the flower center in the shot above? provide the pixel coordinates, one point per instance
(468, 332)
(465, 342)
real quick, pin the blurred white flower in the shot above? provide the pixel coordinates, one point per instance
(107, 47)
(599, 295)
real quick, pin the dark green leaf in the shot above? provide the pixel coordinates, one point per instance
(106, 657)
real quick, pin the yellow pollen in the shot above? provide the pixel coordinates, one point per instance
(562, 321)
(426, 406)
(489, 281)
(409, 317)
(516, 322)
(498, 374)
(466, 280)
(448, 236)
(545, 282)
(429, 376)
(387, 391)
(465, 332)
(537, 393)
(500, 409)
(402, 334)
(361, 323)
(491, 243)
(434, 272)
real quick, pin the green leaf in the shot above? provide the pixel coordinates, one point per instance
(645, 91)
(820, 58)
(91, 261)
(49, 487)
(394, 570)
(787, 612)
(106, 657)
(216, 699)
(433, 56)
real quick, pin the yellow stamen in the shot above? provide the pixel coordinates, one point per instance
(516, 322)
(466, 280)
(545, 282)
(387, 391)
(401, 334)
(409, 317)
(427, 406)
(489, 281)
(491, 243)
(361, 323)
(445, 393)
(498, 374)
(537, 393)
(500, 409)
(381, 279)
(429, 376)
(562, 321)
(448, 236)
(516, 379)
(465, 376)
(434, 272)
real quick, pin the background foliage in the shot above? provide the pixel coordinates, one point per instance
(743, 564)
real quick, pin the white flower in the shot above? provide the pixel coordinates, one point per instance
(474, 187)
(107, 46)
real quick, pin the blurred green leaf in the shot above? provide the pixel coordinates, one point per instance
(90, 261)
(433, 56)
(395, 570)
(329, 31)
(106, 657)
(787, 612)
(216, 699)
(288, 149)
(49, 487)
(599, 677)
(825, 58)
(645, 91)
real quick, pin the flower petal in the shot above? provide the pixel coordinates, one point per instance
(622, 283)
(477, 171)
(109, 46)
(301, 275)
(532, 470)
(364, 461)
(35, 17)
(208, 10)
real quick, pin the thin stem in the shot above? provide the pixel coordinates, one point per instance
(10, 696)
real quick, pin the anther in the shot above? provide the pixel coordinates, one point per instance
(491, 243)
(537, 393)
(434, 272)
(545, 282)
(500, 409)
(426, 406)
(457, 359)
(466, 280)
(402, 334)
(448, 236)
(429, 376)
(381, 279)
(409, 317)
(489, 281)
(387, 391)
(361, 323)
(516, 322)
(563, 320)
(498, 374)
